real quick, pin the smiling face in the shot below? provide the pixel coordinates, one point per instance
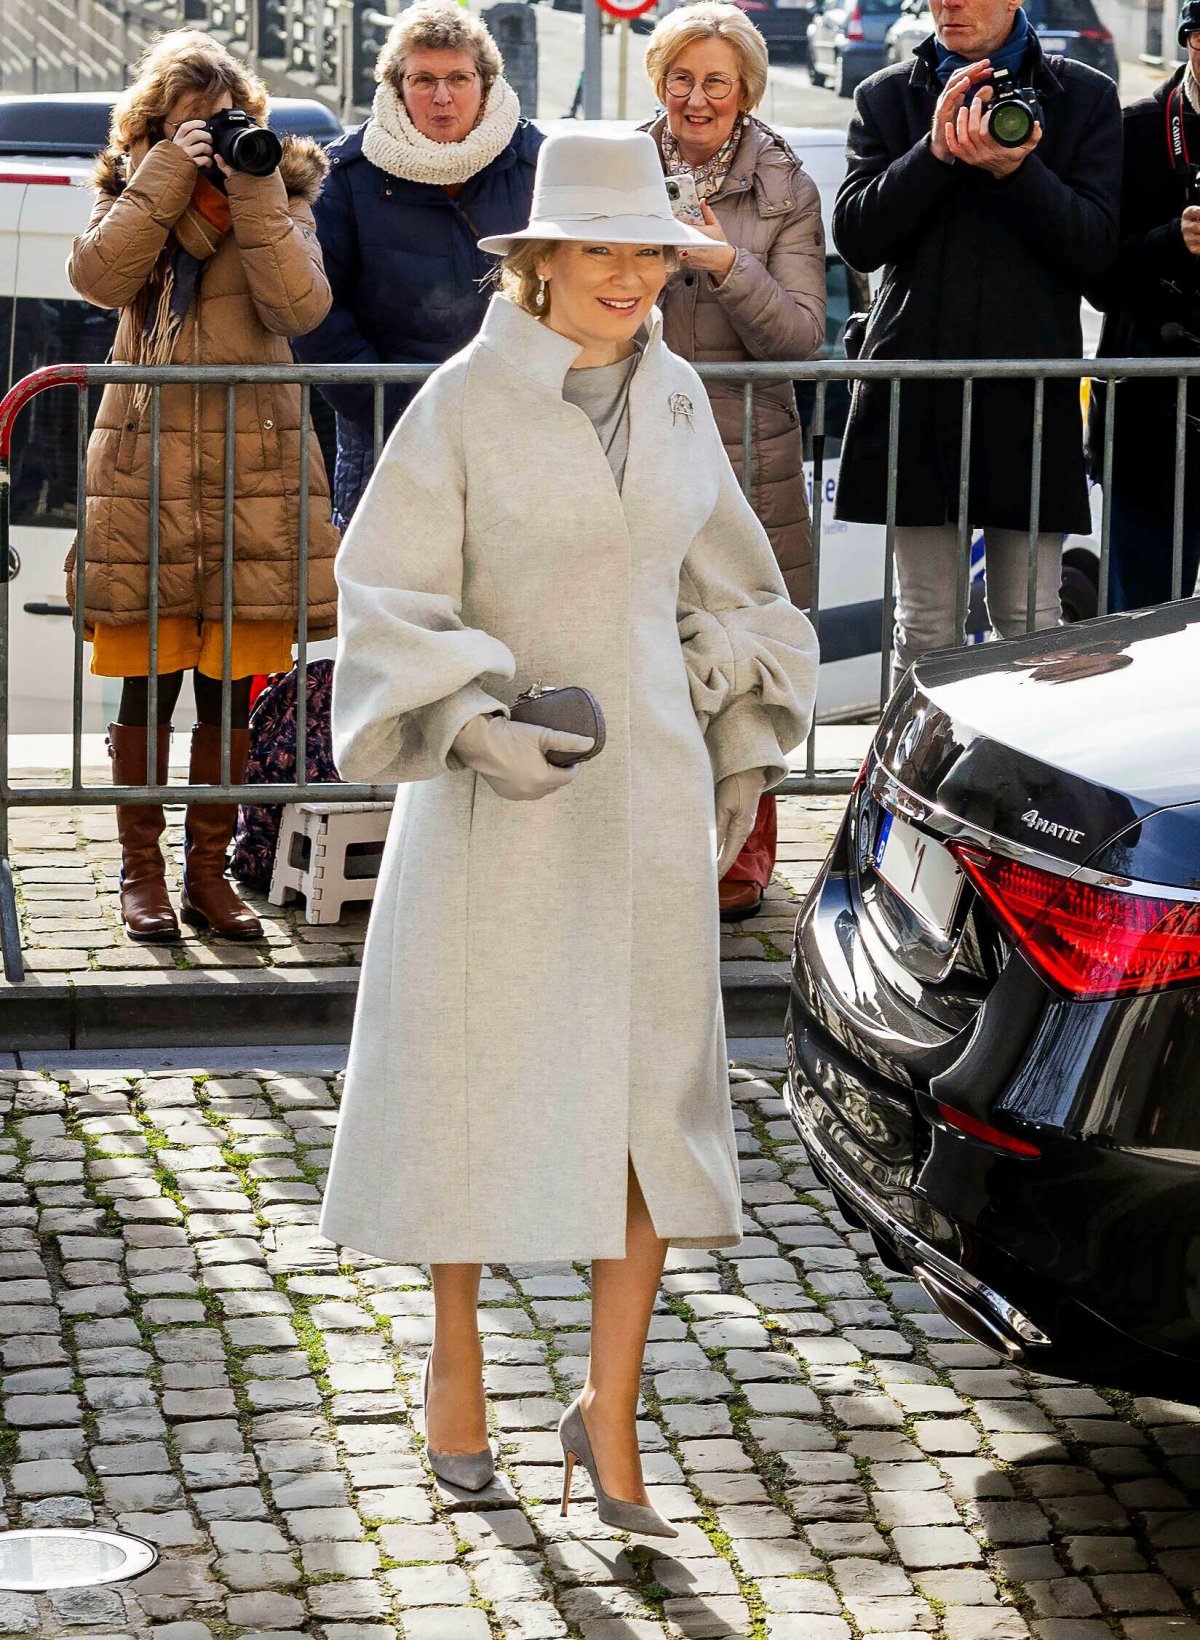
(442, 92)
(701, 122)
(973, 28)
(600, 294)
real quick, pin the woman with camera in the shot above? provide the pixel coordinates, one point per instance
(533, 1076)
(755, 290)
(209, 263)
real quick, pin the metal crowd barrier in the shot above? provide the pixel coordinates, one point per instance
(821, 373)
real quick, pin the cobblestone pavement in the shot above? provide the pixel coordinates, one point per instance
(184, 1357)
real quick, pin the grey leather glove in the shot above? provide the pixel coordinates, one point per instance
(511, 756)
(737, 799)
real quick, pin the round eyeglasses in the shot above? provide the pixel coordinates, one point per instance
(716, 87)
(458, 85)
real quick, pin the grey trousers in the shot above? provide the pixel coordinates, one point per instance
(928, 570)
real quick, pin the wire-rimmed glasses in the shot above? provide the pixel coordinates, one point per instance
(716, 87)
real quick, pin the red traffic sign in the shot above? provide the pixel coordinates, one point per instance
(626, 12)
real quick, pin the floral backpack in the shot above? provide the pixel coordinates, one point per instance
(272, 760)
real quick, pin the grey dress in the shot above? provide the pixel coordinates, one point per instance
(602, 393)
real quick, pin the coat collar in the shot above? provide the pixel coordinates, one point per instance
(1162, 92)
(1037, 65)
(541, 353)
(763, 161)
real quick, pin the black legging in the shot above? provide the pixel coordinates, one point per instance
(134, 709)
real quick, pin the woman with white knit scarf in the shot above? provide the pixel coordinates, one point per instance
(444, 160)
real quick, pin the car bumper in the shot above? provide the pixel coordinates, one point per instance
(1076, 1261)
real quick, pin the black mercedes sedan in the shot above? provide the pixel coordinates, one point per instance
(993, 1034)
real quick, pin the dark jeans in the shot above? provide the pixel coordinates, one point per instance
(1142, 531)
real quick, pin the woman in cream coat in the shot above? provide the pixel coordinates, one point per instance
(536, 1073)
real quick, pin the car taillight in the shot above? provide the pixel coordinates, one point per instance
(43, 179)
(854, 26)
(1094, 34)
(985, 1132)
(1088, 940)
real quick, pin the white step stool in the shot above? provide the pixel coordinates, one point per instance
(329, 852)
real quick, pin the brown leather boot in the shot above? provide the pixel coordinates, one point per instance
(738, 901)
(145, 904)
(209, 900)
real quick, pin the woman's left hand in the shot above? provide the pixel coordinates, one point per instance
(226, 170)
(716, 260)
(736, 804)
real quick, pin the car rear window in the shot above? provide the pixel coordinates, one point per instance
(52, 125)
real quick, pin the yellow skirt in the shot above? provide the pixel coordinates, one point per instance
(257, 646)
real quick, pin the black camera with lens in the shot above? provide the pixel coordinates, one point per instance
(1013, 111)
(243, 144)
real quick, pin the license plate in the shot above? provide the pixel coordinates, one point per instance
(920, 871)
(1051, 42)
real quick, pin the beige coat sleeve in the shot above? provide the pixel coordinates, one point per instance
(777, 307)
(751, 655)
(408, 670)
(112, 259)
(281, 254)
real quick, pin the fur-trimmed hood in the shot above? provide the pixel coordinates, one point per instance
(304, 167)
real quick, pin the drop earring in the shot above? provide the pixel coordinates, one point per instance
(539, 300)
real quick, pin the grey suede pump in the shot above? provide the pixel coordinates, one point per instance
(625, 1517)
(470, 1471)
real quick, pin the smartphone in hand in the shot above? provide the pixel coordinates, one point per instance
(685, 201)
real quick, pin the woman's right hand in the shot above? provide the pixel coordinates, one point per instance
(196, 142)
(511, 757)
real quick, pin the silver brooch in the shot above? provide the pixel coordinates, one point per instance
(680, 405)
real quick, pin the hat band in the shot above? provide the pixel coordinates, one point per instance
(595, 203)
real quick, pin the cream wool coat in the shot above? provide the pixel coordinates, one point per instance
(540, 991)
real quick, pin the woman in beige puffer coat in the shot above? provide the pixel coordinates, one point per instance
(758, 294)
(208, 265)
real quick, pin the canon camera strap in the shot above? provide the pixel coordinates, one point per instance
(1177, 146)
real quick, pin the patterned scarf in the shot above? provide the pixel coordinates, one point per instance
(710, 175)
(154, 319)
(393, 143)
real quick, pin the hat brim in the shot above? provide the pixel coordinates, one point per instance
(609, 230)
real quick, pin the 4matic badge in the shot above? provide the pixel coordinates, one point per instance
(1038, 822)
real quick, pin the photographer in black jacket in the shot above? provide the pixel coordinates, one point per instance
(1151, 296)
(986, 250)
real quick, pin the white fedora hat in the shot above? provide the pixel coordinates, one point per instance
(608, 189)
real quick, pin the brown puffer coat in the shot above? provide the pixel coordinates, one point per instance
(770, 305)
(264, 283)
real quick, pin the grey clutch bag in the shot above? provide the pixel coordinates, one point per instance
(574, 710)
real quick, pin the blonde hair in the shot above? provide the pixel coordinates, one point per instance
(438, 25)
(709, 20)
(518, 277)
(183, 61)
